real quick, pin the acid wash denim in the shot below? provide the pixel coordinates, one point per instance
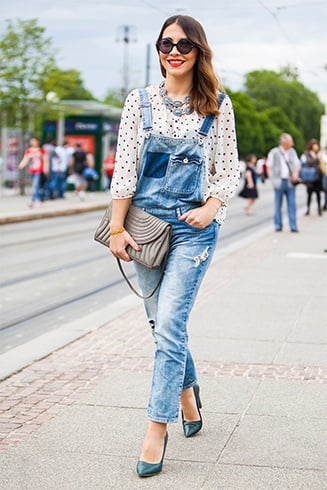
(170, 182)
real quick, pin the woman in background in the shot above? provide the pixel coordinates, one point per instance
(312, 158)
(250, 191)
(36, 157)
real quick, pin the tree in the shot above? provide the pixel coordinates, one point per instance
(67, 84)
(259, 131)
(249, 132)
(268, 89)
(113, 98)
(26, 55)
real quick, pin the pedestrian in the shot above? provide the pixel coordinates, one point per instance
(250, 191)
(78, 163)
(261, 167)
(177, 159)
(324, 178)
(283, 169)
(108, 167)
(60, 171)
(312, 158)
(36, 157)
(47, 184)
(89, 173)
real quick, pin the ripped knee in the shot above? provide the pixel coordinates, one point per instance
(201, 257)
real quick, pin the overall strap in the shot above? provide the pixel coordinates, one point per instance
(207, 123)
(145, 109)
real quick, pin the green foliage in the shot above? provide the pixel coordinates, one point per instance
(249, 134)
(275, 103)
(26, 56)
(268, 89)
(28, 71)
(113, 98)
(67, 84)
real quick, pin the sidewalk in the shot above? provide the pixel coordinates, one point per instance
(76, 419)
(14, 208)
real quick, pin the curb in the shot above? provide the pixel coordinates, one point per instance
(50, 213)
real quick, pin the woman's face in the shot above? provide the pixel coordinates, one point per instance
(175, 63)
(34, 143)
(315, 147)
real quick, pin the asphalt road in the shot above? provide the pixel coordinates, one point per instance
(52, 271)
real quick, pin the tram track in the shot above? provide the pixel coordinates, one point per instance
(87, 294)
(59, 304)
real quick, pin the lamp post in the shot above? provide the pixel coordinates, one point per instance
(125, 35)
(148, 64)
(4, 147)
(52, 98)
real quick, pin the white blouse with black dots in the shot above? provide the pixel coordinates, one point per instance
(220, 146)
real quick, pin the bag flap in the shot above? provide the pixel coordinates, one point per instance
(144, 227)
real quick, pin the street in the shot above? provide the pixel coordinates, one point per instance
(53, 272)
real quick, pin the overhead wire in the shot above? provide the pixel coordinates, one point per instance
(282, 30)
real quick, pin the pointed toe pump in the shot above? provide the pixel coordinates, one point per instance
(192, 428)
(144, 469)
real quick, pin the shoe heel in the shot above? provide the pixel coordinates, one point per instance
(145, 469)
(192, 428)
(196, 389)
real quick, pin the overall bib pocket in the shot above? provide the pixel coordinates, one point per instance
(183, 174)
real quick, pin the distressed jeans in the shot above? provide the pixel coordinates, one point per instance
(191, 251)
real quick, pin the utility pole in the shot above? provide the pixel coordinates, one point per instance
(125, 35)
(148, 64)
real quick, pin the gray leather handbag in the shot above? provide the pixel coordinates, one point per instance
(152, 233)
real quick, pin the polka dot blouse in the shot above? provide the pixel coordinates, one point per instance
(220, 146)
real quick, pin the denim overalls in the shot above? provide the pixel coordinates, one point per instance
(170, 182)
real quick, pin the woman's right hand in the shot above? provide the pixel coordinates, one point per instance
(118, 244)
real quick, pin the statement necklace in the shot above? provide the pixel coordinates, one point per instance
(178, 108)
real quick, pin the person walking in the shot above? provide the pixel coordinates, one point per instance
(36, 157)
(312, 158)
(324, 178)
(60, 169)
(177, 159)
(109, 167)
(250, 191)
(47, 184)
(283, 169)
(89, 173)
(78, 163)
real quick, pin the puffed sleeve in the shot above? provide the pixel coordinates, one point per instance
(125, 174)
(224, 173)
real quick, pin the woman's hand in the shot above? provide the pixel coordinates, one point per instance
(118, 244)
(203, 216)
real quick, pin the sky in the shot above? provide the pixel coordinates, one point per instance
(244, 35)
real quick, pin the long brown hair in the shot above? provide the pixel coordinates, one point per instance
(206, 84)
(311, 143)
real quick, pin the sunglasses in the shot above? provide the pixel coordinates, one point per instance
(184, 46)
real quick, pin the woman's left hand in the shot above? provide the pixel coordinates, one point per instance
(202, 217)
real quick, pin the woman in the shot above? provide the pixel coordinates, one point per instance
(250, 191)
(166, 167)
(37, 159)
(312, 158)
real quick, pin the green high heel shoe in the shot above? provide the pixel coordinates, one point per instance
(192, 428)
(144, 469)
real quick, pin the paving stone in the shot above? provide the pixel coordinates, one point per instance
(240, 477)
(278, 441)
(290, 399)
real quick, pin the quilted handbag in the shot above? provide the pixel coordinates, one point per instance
(152, 233)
